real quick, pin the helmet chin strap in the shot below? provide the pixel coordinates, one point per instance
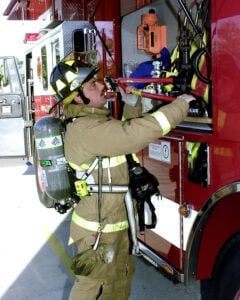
(84, 98)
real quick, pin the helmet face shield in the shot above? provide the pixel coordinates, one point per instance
(81, 77)
(67, 78)
(90, 75)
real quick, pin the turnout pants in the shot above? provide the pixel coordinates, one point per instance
(108, 281)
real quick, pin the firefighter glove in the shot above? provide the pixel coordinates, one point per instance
(84, 263)
(128, 98)
(197, 108)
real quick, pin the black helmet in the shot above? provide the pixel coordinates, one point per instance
(67, 79)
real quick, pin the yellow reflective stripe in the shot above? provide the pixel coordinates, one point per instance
(193, 49)
(70, 76)
(170, 74)
(70, 241)
(60, 84)
(115, 227)
(136, 92)
(106, 163)
(192, 148)
(162, 120)
(94, 226)
(175, 53)
(114, 161)
(70, 98)
(69, 62)
(135, 158)
(195, 150)
(81, 168)
(168, 87)
(206, 93)
(194, 82)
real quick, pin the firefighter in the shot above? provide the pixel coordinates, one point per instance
(104, 265)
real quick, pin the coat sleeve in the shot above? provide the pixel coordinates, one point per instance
(131, 112)
(89, 137)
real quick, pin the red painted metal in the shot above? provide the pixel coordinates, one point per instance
(42, 104)
(224, 140)
(157, 97)
(66, 10)
(147, 80)
(37, 7)
(216, 233)
(167, 251)
(31, 37)
(141, 3)
(168, 176)
(30, 10)
(10, 7)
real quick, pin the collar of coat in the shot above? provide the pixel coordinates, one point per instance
(81, 110)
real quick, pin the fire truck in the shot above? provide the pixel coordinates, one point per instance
(197, 234)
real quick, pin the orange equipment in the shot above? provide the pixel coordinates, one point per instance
(151, 37)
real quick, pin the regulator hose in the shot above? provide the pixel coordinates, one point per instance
(195, 62)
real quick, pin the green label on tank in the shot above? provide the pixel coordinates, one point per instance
(45, 163)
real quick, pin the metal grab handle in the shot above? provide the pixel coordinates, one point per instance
(106, 188)
(145, 80)
(160, 80)
(129, 207)
(132, 223)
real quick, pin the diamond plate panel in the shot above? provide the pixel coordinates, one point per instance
(70, 10)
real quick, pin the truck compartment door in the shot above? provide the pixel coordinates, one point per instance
(163, 159)
(11, 109)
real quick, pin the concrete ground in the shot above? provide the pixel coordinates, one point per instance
(34, 256)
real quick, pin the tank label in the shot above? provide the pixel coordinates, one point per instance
(61, 161)
(45, 163)
(49, 142)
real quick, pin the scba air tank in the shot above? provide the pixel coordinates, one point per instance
(48, 133)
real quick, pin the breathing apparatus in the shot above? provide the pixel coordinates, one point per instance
(67, 80)
(52, 166)
(143, 186)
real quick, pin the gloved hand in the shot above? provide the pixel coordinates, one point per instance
(197, 108)
(128, 98)
(147, 104)
(84, 263)
(187, 97)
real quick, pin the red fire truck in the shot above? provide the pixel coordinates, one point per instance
(197, 235)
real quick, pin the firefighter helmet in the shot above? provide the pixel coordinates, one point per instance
(67, 79)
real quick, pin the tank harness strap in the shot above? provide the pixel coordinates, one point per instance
(90, 169)
(81, 185)
(100, 177)
(69, 120)
(107, 228)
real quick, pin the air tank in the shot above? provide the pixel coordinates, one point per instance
(48, 132)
